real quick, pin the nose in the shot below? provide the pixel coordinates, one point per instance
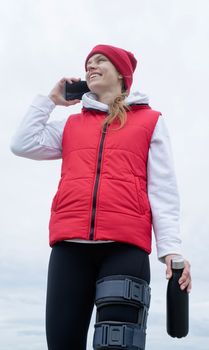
(91, 66)
(90, 69)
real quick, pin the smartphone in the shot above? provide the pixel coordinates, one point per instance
(75, 90)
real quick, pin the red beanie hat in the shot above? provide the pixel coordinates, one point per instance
(124, 61)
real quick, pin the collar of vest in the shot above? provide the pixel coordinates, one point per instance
(134, 107)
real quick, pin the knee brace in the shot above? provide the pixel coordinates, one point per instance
(121, 290)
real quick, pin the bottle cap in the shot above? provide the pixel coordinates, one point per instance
(177, 262)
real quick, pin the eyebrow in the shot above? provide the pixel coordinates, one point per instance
(99, 55)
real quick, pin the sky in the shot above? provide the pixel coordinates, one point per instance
(43, 41)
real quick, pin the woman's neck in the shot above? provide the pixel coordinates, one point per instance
(108, 97)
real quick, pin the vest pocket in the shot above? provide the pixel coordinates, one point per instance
(139, 195)
(56, 197)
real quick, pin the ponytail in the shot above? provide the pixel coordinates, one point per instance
(117, 111)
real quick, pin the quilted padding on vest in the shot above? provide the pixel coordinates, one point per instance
(102, 193)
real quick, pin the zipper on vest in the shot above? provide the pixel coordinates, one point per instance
(91, 237)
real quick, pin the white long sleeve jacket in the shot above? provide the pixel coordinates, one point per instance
(38, 139)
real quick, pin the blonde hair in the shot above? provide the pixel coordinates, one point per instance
(117, 111)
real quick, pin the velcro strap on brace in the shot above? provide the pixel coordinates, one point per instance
(123, 288)
(119, 335)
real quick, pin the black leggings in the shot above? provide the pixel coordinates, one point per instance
(73, 271)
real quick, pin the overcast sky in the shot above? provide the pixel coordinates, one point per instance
(42, 41)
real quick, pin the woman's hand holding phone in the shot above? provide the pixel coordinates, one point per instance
(58, 92)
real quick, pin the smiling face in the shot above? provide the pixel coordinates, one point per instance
(102, 76)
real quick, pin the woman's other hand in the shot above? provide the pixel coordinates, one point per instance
(57, 93)
(185, 281)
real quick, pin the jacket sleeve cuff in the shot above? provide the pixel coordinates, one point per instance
(44, 103)
(168, 247)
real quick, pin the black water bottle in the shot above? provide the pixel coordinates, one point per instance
(177, 302)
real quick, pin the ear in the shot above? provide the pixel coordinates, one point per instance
(120, 76)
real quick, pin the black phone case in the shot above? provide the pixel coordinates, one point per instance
(75, 90)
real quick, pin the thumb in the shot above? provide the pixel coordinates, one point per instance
(168, 269)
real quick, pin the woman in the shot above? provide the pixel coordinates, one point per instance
(117, 180)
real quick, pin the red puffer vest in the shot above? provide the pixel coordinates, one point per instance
(102, 193)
